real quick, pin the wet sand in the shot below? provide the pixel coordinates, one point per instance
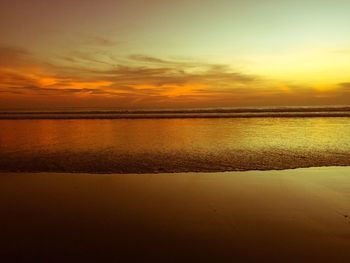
(297, 215)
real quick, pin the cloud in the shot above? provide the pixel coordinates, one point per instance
(145, 81)
(345, 85)
(13, 56)
(341, 51)
(101, 42)
(151, 60)
(173, 73)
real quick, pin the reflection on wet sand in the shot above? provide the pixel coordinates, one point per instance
(273, 216)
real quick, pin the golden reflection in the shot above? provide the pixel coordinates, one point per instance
(169, 135)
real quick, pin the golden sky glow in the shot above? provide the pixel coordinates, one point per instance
(168, 54)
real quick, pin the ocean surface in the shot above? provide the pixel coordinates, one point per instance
(111, 113)
(206, 140)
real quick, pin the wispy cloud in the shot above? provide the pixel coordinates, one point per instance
(345, 85)
(101, 41)
(13, 56)
(146, 81)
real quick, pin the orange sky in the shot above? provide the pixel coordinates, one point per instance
(155, 54)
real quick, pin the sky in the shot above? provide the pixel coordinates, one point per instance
(174, 54)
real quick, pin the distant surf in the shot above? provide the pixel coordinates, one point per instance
(249, 112)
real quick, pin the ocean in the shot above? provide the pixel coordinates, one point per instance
(192, 140)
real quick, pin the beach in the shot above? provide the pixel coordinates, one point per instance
(174, 131)
(267, 189)
(299, 215)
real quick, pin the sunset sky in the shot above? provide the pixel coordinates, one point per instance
(169, 54)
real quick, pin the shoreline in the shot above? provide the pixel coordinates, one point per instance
(172, 173)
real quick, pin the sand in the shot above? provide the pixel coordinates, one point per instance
(300, 215)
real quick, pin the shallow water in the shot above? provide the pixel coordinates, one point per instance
(173, 145)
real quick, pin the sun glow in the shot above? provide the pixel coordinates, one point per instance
(233, 53)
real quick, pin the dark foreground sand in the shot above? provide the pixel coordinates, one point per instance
(272, 216)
